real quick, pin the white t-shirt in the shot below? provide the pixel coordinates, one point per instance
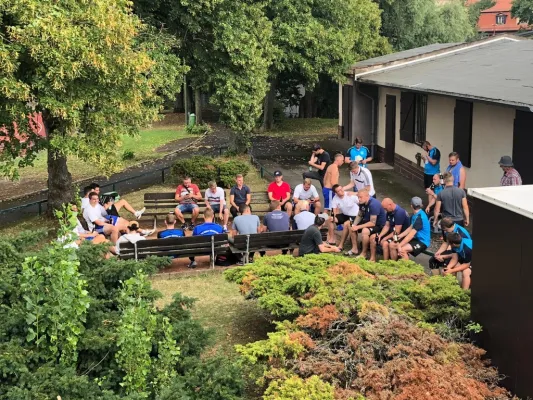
(85, 202)
(216, 198)
(79, 230)
(301, 194)
(92, 214)
(348, 205)
(363, 179)
(304, 219)
(128, 237)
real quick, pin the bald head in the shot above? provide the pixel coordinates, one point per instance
(388, 204)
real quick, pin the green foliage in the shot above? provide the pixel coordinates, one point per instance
(198, 129)
(294, 387)
(523, 10)
(128, 155)
(204, 169)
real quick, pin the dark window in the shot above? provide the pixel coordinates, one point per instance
(462, 131)
(413, 115)
(501, 19)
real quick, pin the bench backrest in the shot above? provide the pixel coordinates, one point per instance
(181, 247)
(169, 198)
(270, 239)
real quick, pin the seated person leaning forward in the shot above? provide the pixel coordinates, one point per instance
(280, 191)
(371, 219)
(396, 223)
(132, 235)
(311, 242)
(98, 220)
(345, 210)
(360, 178)
(208, 228)
(246, 224)
(215, 199)
(461, 258)
(187, 194)
(306, 191)
(303, 218)
(415, 239)
(444, 254)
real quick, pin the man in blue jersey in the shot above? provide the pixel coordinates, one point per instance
(433, 191)
(461, 258)
(431, 159)
(208, 228)
(171, 231)
(415, 239)
(372, 218)
(397, 222)
(443, 255)
(358, 153)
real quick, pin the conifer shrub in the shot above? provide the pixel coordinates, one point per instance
(203, 169)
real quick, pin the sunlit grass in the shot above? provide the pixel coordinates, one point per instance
(306, 126)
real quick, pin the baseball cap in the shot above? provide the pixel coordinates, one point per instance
(316, 147)
(277, 173)
(416, 202)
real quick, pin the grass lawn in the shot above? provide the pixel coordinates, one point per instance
(305, 126)
(219, 307)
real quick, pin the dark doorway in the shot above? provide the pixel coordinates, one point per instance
(522, 145)
(347, 106)
(390, 128)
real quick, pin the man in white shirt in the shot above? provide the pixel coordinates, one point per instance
(307, 191)
(215, 199)
(360, 178)
(95, 215)
(345, 207)
(303, 219)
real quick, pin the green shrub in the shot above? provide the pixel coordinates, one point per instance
(204, 169)
(294, 387)
(198, 129)
(128, 155)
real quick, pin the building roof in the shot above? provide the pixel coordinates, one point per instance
(499, 6)
(496, 70)
(513, 198)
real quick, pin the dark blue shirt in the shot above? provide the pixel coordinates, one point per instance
(207, 229)
(240, 194)
(398, 217)
(420, 223)
(170, 233)
(373, 207)
(464, 251)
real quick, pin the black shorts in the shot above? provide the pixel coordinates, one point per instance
(341, 218)
(418, 247)
(373, 230)
(436, 264)
(428, 180)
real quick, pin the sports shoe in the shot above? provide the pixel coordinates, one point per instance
(191, 226)
(192, 264)
(185, 227)
(138, 214)
(225, 228)
(147, 232)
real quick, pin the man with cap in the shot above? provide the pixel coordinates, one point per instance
(510, 177)
(415, 239)
(320, 160)
(280, 191)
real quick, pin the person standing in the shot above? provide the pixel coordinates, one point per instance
(431, 163)
(330, 179)
(215, 199)
(240, 195)
(451, 201)
(358, 153)
(320, 160)
(510, 177)
(187, 194)
(457, 170)
(360, 178)
(433, 191)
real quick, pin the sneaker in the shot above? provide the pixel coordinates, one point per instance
(192, 264)
(240, 263)
(225, 228)
(191, 226)
(185, 227)
(138, 214)
(147, 232)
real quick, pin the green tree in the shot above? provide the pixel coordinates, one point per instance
(523, 10)
(92, 69)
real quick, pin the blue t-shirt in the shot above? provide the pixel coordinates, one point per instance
(458, 229)
(170, 233)
(207, 229)
(464, 251)
(362, 152)
(430, 169)
(398, 217)
(438, 189)
(373, 207)
(420, 224)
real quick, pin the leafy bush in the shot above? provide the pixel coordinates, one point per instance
(198, 129)
(128, 155)
(204, 169)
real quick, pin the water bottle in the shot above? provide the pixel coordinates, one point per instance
(395, 237)
(441, 180)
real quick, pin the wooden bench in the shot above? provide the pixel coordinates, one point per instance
(285, 240)
(176, 247)
(160, 204)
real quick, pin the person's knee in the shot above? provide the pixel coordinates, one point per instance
(385, 245)
(365, 232)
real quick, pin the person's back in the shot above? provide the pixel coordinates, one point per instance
(207, 229)
(276, 221)
(246, 224)
(304, 220)
(451, 198)
(311, 239)
(171, 233)
(423, 229)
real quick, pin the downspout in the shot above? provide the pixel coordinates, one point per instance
(373, 130)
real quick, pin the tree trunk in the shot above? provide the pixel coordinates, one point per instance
(268, 113)
(60, 190)
(178, 104)
(198, 105)
(308, 105)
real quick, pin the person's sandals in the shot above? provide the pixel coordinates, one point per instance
(350, 253)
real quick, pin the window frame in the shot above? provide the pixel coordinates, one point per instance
(421, 115)
(503, 18)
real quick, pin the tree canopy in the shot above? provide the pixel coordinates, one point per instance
(523, 10)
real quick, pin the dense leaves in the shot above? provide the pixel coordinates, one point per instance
(523, 10)
(204, 169)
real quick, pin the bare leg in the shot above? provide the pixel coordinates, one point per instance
(195, 212)
(386, 249)
(331, 230)
(344, 234)
(318, 207)
(288, 208)
(179, 215)
(393, 251)
(112, 231)
(373, 247)
(123, 203)
(353, 238)
(466, 278)
(98, 239)
(405, 250)
(366, 241)
(226, 216)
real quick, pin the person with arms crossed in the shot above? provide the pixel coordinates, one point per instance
(461, 258)
(345, 207)
(360, 178)
(320, 160)
(452, 202)
(187, 194)
(358, 153)
(397, 222)
(415, 239)
(306, 191)
(240, 195)
(457, 170)
(510, 177)
(331, 178)
(215, 199)
(280, 191)
(208, 228)
(431, 159)
(311, 242)
(443, 255)
(371, 219)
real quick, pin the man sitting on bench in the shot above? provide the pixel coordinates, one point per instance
(240, 195)
(280, 191)
(171, 231)
(345, 210)
(208, 228)
(187, 194)
(443, 255)
(306, 191)
(371, 219)
(276, 221)
(461, 258)
(246, 224)
(215, 200)
(97, 220)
